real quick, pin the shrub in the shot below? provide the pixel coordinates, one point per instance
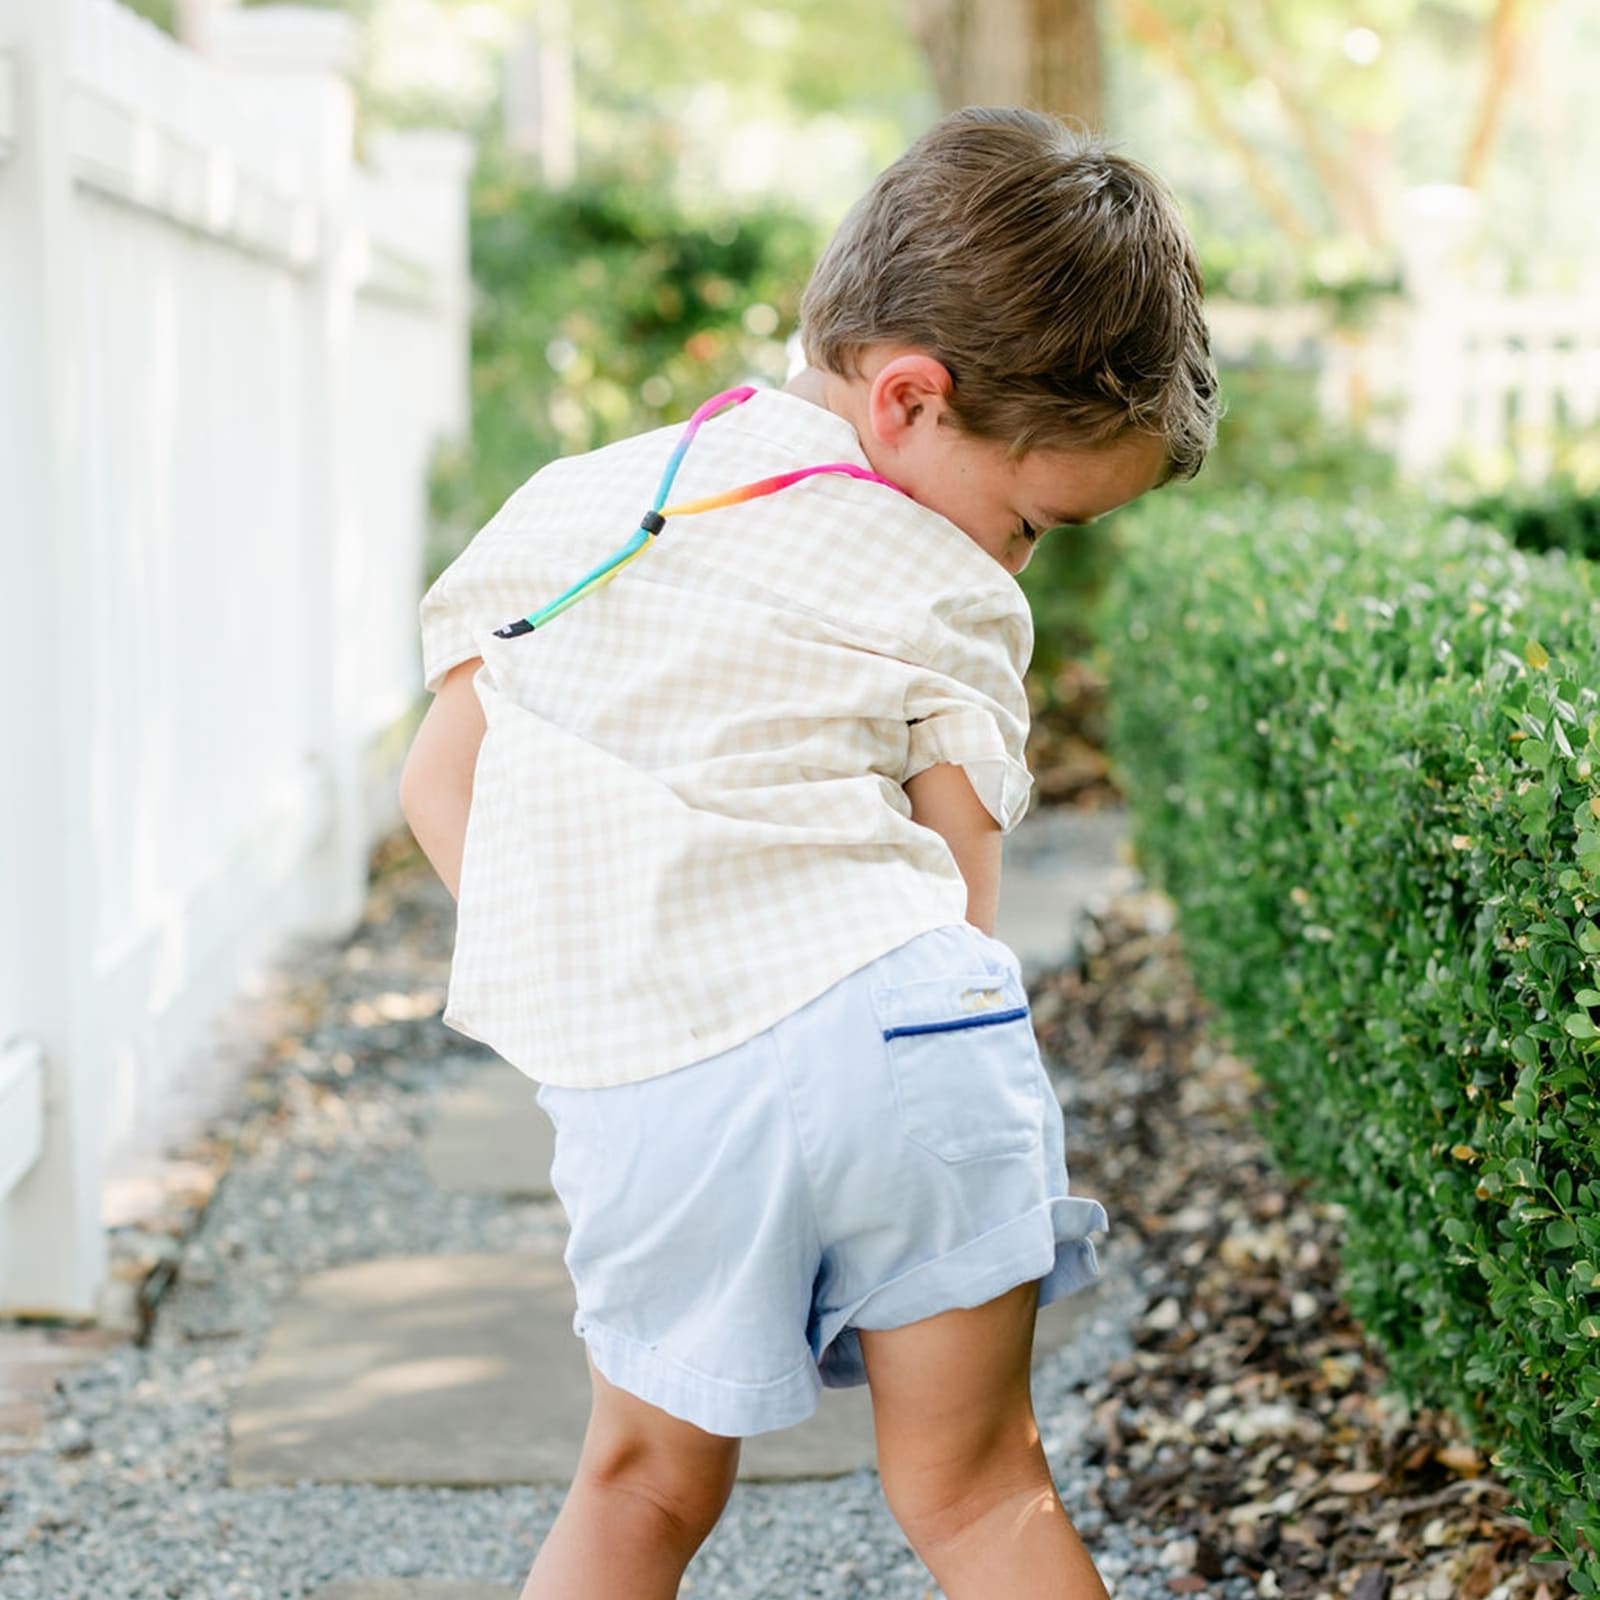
(1557, 516)
(1273, 436)
(1362, 753)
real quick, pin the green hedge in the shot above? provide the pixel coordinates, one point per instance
(1361, 749)
(1557, 516)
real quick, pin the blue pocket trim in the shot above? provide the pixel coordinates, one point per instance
(985, 1021)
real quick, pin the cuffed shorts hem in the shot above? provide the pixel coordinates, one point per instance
(1047, 1243)
(718, 1405)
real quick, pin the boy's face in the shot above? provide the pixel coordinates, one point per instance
(998, 502)
(899, 405)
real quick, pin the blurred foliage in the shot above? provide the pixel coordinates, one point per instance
(1063, 581)
(1561, 514)
(1257, 270)
(1352, 302)
(652, 72)
(603, 310)
(1273, 436)
(1313, 117)
(1569, 469)
(164, 13)
(1254, 113)
(1253, 267)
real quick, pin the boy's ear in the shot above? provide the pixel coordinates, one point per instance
(909, 391)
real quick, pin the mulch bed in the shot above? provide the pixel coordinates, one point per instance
(1066, 738)
(1250, 1416)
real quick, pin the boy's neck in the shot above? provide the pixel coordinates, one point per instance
(844, 397)
(810, 383)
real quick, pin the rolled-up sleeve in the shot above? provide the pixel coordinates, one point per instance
(969, 707)
(500, 571)
(447, 638)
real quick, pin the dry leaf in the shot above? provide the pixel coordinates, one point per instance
(1354, 1482)
(1461, 1458)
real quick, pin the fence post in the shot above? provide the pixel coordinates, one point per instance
(306, 52)
(537, 93)
(1437, 221)
(52, 1242)
(423, 175)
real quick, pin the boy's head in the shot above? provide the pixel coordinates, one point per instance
(1043, 292)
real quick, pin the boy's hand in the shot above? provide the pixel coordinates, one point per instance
(942, 798)
(436, 780)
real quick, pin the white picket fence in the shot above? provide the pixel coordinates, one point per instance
(227, 351)
(1459, 369)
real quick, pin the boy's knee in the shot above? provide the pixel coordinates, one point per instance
(938, 1480)
(935, 1507)
(687, 1497)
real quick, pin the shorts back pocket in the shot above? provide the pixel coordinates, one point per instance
(964, 1063)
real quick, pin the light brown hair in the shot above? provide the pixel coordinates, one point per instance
(1053, 278)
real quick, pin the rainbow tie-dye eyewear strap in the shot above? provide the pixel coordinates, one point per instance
(654, 520)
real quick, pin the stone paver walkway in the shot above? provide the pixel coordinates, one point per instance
(490, 1137)
(1058, 863)
(463, 1370)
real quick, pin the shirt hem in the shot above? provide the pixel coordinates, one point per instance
(714, 1044)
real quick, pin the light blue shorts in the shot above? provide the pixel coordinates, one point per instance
(891, 1150)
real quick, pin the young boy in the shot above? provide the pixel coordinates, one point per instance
(725, 839)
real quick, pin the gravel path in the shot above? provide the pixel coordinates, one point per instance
(125, 1498)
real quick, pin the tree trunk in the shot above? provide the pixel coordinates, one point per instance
(1068, 69)
(1149, 25)
(1504, 52)
(1040, 53)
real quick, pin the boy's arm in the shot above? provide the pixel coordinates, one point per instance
(942, 798)
(436, 780)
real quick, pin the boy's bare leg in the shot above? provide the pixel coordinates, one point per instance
(648, 1489)
(959, 1455)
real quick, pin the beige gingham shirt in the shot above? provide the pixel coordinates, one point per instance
(687, 816)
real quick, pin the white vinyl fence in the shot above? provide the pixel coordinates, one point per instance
(1458, 367)
(227, 351)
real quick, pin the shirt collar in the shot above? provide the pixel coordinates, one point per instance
(813, 432)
